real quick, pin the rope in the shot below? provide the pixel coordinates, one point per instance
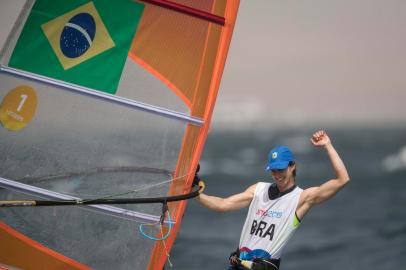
(137, 190)
(141, 229)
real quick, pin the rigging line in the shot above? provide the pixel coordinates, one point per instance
(100, 196)
(166, 251)
(92, 171)
(96, 170)
(137, 190)
(165, 211)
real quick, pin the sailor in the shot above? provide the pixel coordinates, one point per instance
(277, 209)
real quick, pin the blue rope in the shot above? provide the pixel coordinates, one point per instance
(141, 228)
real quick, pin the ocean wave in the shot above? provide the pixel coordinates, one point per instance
(395, 162)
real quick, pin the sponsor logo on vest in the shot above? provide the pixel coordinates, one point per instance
(269, 213)
(262, 229)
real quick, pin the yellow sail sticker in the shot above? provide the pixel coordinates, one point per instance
(18, 108)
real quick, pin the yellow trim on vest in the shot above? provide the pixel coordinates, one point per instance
(296, 221)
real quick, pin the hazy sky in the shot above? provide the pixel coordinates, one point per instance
(316, 61)
(310, 62)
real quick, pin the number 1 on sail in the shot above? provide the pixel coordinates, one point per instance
(23, 99)
(18, 108)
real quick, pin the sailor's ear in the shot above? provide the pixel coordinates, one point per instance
(292, 166)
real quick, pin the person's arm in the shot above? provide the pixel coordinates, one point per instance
(316, 195)
(233, 202)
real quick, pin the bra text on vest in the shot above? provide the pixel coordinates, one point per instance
(260, 227)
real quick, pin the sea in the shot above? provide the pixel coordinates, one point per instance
(362, 228)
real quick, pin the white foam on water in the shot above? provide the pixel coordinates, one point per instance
(395, 162)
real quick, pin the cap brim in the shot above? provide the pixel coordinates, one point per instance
(278, 165)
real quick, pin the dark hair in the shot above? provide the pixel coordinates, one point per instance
(291, 163)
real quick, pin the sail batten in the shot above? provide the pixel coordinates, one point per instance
(106, 209)
(112, 98)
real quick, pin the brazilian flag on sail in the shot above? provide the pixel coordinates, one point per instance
(78, 41)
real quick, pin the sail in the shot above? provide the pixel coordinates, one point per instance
(102, 100)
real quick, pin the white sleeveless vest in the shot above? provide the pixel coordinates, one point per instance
(269, 224)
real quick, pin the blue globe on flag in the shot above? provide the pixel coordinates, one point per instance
(77, 35)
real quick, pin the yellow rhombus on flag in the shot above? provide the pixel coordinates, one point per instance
(78, 41)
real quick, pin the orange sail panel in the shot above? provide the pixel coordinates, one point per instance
(192, 54)
(31, 255)
(181, 50)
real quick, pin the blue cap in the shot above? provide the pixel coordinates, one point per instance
(279, 158)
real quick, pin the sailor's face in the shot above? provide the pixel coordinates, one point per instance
(282, 176)
(279, 175)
